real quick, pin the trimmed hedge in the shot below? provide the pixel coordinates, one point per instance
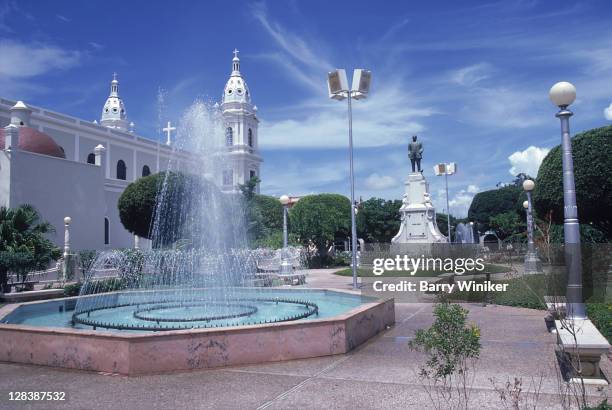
(592, 153)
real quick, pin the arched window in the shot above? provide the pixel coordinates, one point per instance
(250, 138)
(229, 136)
(121, 170)
(91, 158)
(146, 171)
(106, 231)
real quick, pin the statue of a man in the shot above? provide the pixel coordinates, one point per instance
(415, 153)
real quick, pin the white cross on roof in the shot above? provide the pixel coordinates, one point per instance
(168, 130)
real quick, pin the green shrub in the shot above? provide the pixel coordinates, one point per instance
(525, 291)
(87, 257)
(73, 289)
(452, 347)
(601, 316)
(100, 286)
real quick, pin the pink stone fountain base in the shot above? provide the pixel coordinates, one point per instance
(179, 350)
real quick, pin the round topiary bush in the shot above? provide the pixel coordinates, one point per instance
(164, 206)
(592, 153)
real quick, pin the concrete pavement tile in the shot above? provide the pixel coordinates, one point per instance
(208, 389)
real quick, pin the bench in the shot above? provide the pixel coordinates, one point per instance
(583, 344)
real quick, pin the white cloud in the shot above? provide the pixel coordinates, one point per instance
(321, 123)
(527, 161)
(608, 112)
(375, 181)
(290, 43)
(471, 75)
(376, 122)
(96, 46)
(460, 203)
(301, 178)
(21, 60)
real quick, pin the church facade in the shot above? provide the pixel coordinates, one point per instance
(65, 166)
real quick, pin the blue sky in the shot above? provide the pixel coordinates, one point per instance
(470, 78)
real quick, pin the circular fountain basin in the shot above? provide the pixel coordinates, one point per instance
(153, 334)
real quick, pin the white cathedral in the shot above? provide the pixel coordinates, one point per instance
(65, 166)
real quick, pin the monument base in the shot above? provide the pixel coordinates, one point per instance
(418, 214)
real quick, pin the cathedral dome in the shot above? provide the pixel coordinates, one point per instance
(113, 113)
(236, 89)
(32, 140)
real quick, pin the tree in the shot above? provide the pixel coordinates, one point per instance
(508, 224)
(490, 203)
(264, 215)
(442, 222)
(137, 204)
(164, 206)
(378, 220)
(592, 153)
(23, 242)
(248, 188)
(267, 211)
(320, 219)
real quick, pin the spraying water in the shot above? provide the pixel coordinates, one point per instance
(199, 269)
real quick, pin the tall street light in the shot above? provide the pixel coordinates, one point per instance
(532, 262)
(562, 95)
(337, 85)
(286, 266)
(446, 170)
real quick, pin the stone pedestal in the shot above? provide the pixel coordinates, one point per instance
(532, 263)
(584, 346)
(418, 214)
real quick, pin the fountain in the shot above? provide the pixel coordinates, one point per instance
(190, 297)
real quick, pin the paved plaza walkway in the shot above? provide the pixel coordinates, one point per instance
(379, 374)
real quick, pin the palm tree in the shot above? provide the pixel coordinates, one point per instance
(23, 242)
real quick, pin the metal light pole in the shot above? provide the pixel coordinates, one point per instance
(562, 95)
(446, 170)
(286, 266)
(532, 262)
(66, 262)
(337, 84)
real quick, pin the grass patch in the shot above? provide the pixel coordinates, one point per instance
(601, 316)
(367, 272)
(528, 292)
(525, 291)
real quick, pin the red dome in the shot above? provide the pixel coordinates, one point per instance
(35, 141)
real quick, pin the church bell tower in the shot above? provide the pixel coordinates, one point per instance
(241, 152)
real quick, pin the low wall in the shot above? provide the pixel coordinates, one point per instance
(26, 296)
(158, 352)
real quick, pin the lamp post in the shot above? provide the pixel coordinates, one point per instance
(67, 221)
(532, 262)
(446, 170)
(338, 88)
(563, 94)
(286, 266)
(66, 265)
(472, 232)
